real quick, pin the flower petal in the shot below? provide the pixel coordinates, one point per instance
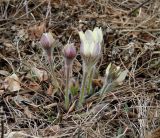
(98, 36)
(122, 76)
(89, 36)
(82, 36)
(95, 34)
(50, 38)
(96, 51)
(108, 69)
(69, 51)
(84, 47)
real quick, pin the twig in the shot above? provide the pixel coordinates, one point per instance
(139, 6)
(5, 11)
(26, 7)
(13, 20)
(2, 122)
(10, 63)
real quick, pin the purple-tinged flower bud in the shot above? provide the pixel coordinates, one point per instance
(69, 51)
(47, 41)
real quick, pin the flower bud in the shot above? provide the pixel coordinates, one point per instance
(47, 41)
(69, 51)
(115, 74)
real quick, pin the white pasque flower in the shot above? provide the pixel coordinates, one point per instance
(114, 74)
(91, 44)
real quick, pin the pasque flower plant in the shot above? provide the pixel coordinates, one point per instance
(69, 53)
(114, 76)
(47, 43)
(90, 50)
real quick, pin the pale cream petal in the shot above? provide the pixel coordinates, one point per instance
(95, 34)
(91, 48)
(118, 70)
(84, 48)
(89, 36)
(50, 37)
(82, 36)
(122, 76)
(97, 50)
(108, 69)
(100, 35)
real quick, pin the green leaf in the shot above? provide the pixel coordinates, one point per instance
(74, 90)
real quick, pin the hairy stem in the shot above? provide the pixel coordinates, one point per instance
(105, 88)
(54, 80)
(68, 71)
(89, 85)
(81, 99)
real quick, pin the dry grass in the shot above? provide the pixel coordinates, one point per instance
(131, 40)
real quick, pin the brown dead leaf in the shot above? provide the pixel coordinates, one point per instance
(22, 33)
(40, 74)
(72, 107)
(34, 86)
(36, 31)
(1, 92)
(52, 129)
(154, 134)
(16, 134)
(4, 72)
(12, 83)
(50, 106)
(50, 90)
(99, 108)
(89, 104)
(28, 113)
(97, 83)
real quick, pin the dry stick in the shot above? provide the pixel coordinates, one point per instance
(2, 128)
(2, 122)
(4, 58)
(140, 30)
(12, 20)
(139, 6)
(5, 11)
(26, 7)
